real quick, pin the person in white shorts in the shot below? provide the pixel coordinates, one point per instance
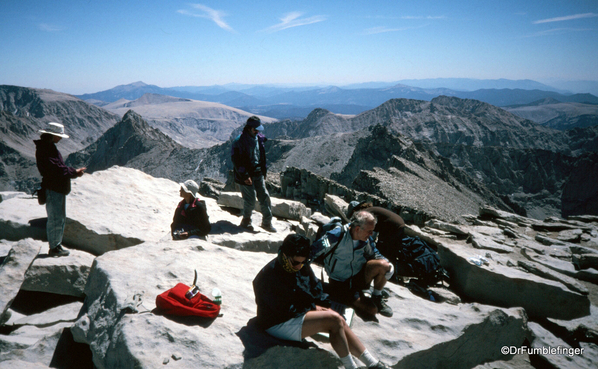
(291, 304)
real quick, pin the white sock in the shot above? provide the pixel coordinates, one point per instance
(348, 362)
(376, 293)
(368, 359)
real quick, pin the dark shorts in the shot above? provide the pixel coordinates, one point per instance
(347, 292)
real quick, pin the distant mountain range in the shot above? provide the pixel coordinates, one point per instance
(296, 103)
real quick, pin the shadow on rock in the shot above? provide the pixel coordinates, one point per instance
(70, 354)
(224, 226)
(39, 223)
(257, 341)
(186, 320)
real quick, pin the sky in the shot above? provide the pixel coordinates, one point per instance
(85, 46)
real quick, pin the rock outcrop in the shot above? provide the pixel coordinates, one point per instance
(13, 270)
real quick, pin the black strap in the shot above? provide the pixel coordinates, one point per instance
(332, 249)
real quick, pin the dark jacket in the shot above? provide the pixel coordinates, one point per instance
(56, 176)
(194, 219)
(281, 296)
(241, 156)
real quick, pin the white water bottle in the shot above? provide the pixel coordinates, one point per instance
(217, 296)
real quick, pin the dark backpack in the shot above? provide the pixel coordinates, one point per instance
(421, 260)
(332, 224)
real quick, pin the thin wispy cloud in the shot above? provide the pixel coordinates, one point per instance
(557, 31)
(49, 27)
(409, 17)
(426, 17)
(294, 19)
(567, 18)
(206, 12)
(384, 29)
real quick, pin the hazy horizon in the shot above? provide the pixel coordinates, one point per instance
(86, 47)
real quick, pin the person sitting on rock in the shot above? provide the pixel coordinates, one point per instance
(352, 262)
(191, 218)
(390, 229)
(291, 304)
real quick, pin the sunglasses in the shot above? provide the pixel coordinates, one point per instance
(294, 262)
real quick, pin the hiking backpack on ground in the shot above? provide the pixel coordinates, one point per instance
(421, 260)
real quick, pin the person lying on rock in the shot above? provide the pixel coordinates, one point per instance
(191, 218)
(291, 304)
(352, 262)
(390, 229)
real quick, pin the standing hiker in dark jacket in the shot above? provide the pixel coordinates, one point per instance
(249, 159)
(56, 182)
(291, 304)
(190, 217)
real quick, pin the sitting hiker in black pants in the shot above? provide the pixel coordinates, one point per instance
(191, 218)
(291, 304)
(390, 230)
(352, 262)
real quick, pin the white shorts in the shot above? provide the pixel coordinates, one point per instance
(289, 330)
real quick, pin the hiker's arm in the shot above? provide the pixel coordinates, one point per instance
(373, 252)
(318, 247)
(201, 221)
(317, 289)
(240, 162)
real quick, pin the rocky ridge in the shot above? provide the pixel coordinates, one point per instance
(508, 287)
(26, 110)
(442, 120)
(23, 112)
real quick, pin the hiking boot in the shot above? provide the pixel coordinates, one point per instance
(269, 227)
(385, 295)
(383, 309)
(58, 251)
(246, 223)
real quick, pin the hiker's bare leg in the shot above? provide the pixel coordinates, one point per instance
(342, 339)
(375, 270)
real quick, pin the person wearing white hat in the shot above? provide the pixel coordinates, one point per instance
(56, 183)
(191, 218)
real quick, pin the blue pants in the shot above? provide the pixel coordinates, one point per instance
(249, 192)
(56, 210)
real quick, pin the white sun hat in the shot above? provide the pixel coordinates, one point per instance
(55, 129)
(190, 187)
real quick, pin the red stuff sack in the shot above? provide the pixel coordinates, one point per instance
(174, 302)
